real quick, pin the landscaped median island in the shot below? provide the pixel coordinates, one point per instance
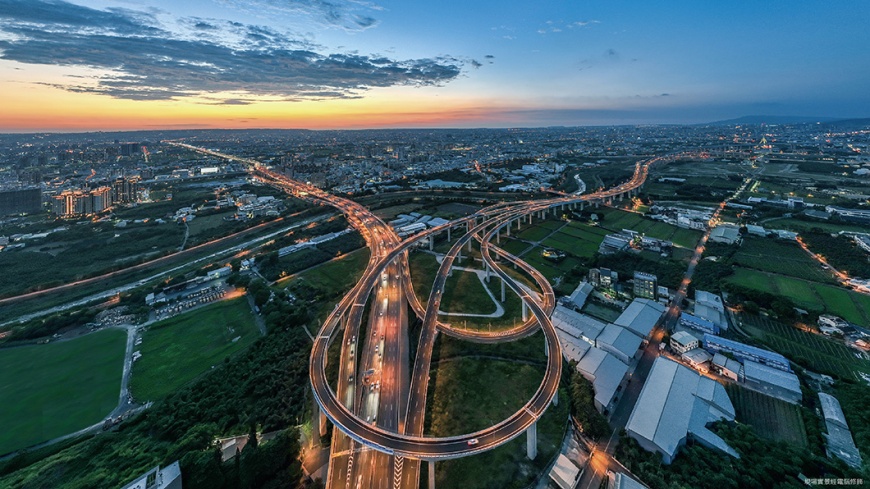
(51, 390)
(177, 350)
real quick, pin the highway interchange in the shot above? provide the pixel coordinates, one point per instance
(379, 401)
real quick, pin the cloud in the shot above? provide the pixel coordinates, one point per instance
(142, 60)
(349, 15)
(476, 64)
(555, 27)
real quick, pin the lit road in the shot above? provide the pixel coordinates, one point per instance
(376, 405)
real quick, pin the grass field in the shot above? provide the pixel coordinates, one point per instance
(464, 293)
(337, 274)
(616, 220)
(423, 267)
(468, 394)
(771, 418)
(177, 350)
(812, 296)
(811, 350)
(205, 223)
(786, 258)
(55, 389)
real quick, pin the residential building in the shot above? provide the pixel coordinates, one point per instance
(681, 342)
(603, 277)
(645, 285)
(674, 404)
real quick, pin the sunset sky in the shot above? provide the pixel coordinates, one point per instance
(148, 64)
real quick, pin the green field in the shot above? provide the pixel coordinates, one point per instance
(771, 418)
(423, 267)
(783, 257)
(463, 293)
(468, 394)
(55, 389)
(812, 296)
(616, 220)
(339, 273)
(177, 350)
(811, 350)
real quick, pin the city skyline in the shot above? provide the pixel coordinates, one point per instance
(349, 64)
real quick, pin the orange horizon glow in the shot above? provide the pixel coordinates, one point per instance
(34, 108)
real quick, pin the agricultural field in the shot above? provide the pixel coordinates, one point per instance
(812, 296)
(55, 389)
(799, 225)
(783, 257)
(177, 350)
(771, 418)
(811, 350)
(617, 220)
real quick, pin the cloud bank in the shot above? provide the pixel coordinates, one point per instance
(145, 60)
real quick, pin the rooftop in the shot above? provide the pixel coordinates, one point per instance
(674, 402)
(641, 316)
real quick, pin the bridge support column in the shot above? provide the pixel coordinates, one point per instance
(502, 290)
(431, 243)
(532, 441)
(431, 474)
(556, 398)
(508, 229)
(486, 268)
(322, 421)
(530, 219)
(497, 236)
(519, 221)
(469, 245)
(525, 311)
(448, 234)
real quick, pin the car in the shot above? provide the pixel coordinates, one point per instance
(473, 441)
(350, 378)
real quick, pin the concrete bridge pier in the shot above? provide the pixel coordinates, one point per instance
(532, 441)
(519, 221)
(556, 398)
(508, 229)
(497, 236)
(525, 311)
(431, 243)
(448, 233)
(502, 290)
(486, 268)
(323, 420)
(431, 474)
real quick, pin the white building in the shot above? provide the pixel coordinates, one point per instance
(157, 478)
(676, 403)
(606, 373)
(619, 342)
(641, 316)
(681, 342)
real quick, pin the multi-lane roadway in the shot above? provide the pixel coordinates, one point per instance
(379, 402)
